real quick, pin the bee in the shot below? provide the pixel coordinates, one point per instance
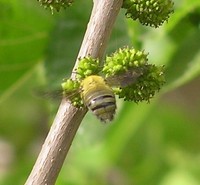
(98, 96)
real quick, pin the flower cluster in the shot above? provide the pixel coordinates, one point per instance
(123, 60)
(55, 4)
(139, 80)
(149, 12)
(87, 66)
(145, 87)
(71, 91)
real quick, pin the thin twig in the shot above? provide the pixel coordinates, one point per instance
(68, 118)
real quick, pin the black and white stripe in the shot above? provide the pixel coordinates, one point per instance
(103, 106)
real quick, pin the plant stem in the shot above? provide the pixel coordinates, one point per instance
(68, 118)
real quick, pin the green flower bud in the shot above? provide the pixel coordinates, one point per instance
(71, 90)
(149, 12)
(70, 85)
(87, 66)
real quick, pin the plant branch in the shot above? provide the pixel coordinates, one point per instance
(68, 118)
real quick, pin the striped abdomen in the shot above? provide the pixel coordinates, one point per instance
(102, 105)
(99, 97)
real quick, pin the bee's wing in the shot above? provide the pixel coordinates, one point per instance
(124, 79)
(71, 94)
(56, 94)
(51, 95)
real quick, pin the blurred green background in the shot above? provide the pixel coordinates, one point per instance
(156, 143)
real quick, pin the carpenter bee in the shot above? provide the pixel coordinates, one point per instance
(98, 96)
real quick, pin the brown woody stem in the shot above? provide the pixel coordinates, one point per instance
(68, 118)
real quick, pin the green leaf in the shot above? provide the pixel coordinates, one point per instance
(66, 38)
(175, 45)
(185, 63)
(24, 33)
(128, 121)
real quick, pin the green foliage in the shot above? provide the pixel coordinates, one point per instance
(23, 42)
(152, 12)
(156, 143)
